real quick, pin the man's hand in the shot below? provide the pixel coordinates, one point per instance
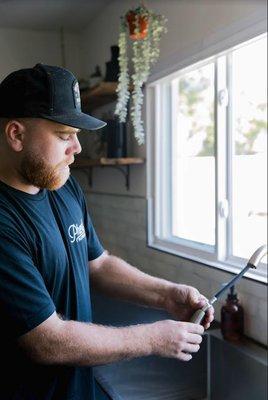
(176, 339)
(181, 301)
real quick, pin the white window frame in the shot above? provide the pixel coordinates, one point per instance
(159, 148)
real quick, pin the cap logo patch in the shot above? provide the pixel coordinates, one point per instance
(77, 98)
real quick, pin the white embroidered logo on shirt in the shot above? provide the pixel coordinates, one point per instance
(76, 232)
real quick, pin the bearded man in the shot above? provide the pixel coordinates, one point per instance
(50, 255)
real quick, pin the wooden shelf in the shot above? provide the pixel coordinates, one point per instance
(117, 163)
(102, 94)
(82, 162)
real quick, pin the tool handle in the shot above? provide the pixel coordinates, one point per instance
(198, 316)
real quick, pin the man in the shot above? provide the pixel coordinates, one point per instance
(49, 250)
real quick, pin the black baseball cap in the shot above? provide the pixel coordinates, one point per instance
(45, 91)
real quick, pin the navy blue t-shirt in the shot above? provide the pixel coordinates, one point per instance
(46, 241)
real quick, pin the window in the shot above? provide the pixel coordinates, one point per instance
(208, 171)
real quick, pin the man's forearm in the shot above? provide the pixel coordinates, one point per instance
(83, 344)
(118, 279)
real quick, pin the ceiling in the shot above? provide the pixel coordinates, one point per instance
(72, 15)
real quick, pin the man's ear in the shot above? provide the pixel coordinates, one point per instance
(15, 134)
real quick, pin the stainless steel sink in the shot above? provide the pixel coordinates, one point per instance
(235, 371)
(219, 371)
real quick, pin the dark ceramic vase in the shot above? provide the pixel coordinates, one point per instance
(116, 139)
(112, 67)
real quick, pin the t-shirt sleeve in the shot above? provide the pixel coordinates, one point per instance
(95, 248)
(24, 300)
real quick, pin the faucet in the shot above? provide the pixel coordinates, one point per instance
(257, 256)
(252, 263)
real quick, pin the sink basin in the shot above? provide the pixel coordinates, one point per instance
(235, 371)
(219, 371)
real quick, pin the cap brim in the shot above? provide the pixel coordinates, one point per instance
(77, 120)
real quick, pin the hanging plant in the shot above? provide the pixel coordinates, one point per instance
(143, 29)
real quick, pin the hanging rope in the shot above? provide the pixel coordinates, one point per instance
(143, 4)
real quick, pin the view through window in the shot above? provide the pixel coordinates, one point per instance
(193, 182)
(249, 157)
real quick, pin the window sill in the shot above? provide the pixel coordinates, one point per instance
(254, 275)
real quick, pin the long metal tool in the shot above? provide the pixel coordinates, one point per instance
(252, 263)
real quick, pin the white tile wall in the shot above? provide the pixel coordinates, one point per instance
(120, 222)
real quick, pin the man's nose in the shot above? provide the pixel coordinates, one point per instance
(75, 147)
(78, 146)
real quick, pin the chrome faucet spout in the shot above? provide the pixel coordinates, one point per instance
(257, 256)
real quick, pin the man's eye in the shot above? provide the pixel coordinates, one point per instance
(64, 138)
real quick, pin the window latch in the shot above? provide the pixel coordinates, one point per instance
(223, 97)
(224, 208)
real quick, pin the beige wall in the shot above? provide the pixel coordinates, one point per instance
(24, 48)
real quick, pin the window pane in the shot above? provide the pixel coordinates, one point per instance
(193, 167)
(249, 99)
